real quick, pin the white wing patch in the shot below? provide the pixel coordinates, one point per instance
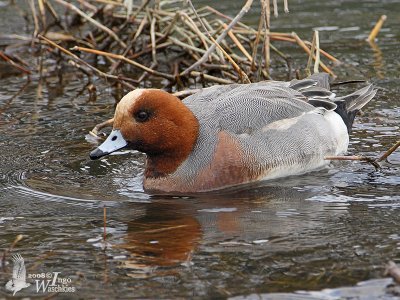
(283, 124)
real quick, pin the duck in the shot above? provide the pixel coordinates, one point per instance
(229, 135)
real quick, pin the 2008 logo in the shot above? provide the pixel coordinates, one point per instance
(46, 282)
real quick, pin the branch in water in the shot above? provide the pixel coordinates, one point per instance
(373, 161)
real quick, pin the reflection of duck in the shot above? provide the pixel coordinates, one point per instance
(378, 60)
(163, 237)
(234, 134)
(171, 229)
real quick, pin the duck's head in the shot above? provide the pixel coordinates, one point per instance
(156, 123)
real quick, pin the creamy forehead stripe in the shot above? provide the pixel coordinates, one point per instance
(128, 100)
(124, 105)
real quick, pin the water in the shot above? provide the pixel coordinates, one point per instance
(331, 229)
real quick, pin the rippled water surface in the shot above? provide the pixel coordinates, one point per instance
(281, 239)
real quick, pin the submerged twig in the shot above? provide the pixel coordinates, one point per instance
(388, 152)
(105, 225)
(14, 243)
(373, 161)
(355, 157)
(376, 29)
(8, 102)
(14, 64)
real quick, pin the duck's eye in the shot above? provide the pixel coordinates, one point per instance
(142, 116)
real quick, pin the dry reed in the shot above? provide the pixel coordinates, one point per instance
(181, 45)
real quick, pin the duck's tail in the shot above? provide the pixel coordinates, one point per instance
(348, 106)
(316, 89)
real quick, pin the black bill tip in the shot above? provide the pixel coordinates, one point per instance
(97, 153)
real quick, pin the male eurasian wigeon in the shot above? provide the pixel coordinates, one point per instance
(234, 134)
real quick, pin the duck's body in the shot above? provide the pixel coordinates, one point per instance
(235, 134)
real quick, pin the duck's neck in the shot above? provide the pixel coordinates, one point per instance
(163, 163)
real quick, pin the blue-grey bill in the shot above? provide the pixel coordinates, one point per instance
(114, 142)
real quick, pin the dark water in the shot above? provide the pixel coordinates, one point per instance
(329, 229)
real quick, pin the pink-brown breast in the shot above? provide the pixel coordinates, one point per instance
(229, 166)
